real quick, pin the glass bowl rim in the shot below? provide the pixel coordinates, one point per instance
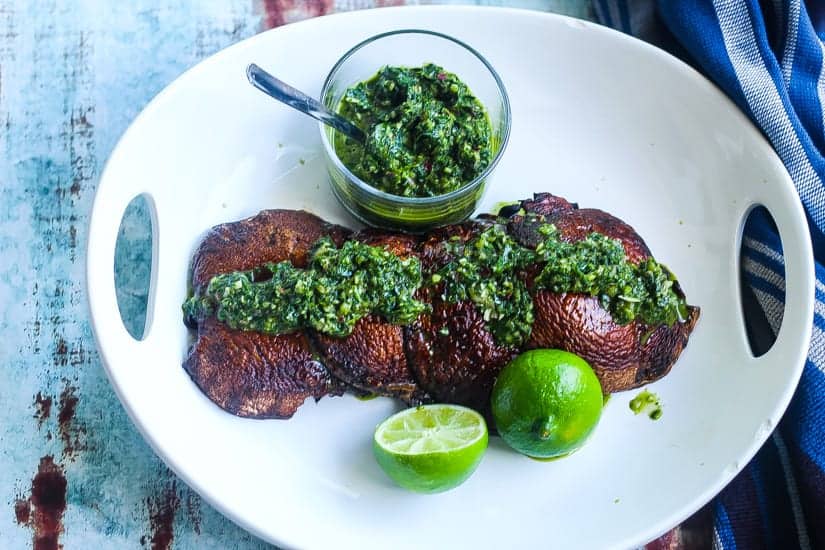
(330, 150)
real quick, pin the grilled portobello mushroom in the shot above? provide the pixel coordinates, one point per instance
(448, 353)
(452, 353)
(623, 356)
(257, 375)
(372, 357)
(248, 373)
(270, 236)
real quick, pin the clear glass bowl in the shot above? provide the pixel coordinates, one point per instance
(413, 48)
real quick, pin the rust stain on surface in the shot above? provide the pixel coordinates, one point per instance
(68, 403)
(33, 330)
(193, 510)
(22, 508)
(162, 510)
(78, 355)
(43, 511)
(42, 408)
(73, 354)
(280, 12)
(70, 431)
(314, 8)
(61, 351)
(72, 235)
(274, 13)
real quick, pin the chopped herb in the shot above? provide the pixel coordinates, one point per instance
(647, 402)
(645, 337)
(486, 271)
(427, 134)
(597, 265)
(508, 209)
(340, 286)
(196, 307)
(366, 397)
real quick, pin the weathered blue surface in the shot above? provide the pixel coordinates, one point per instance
(73, 74)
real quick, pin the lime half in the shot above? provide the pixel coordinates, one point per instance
(431, 448)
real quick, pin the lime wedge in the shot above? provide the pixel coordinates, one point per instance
(432, 448)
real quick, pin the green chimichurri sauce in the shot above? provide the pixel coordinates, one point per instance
(342, 285)
(367, 397)
(597, 265)
(339, 287)
(647, 402)
(427, 134)
(486, 271)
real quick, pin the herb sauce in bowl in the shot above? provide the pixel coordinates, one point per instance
(434, 138)
(427, 134)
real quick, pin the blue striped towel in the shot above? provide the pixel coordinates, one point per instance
(769, 57)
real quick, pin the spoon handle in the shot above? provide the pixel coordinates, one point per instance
(296, 99)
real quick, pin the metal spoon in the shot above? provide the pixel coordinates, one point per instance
(296, 99)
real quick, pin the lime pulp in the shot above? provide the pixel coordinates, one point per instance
(432, 448)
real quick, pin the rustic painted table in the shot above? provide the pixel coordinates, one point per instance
(73, 74)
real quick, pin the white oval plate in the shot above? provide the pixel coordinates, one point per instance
(599, 118)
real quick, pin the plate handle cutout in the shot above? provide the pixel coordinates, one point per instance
(761, 280)
(134, 265)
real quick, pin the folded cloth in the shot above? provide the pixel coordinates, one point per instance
(769, 57)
